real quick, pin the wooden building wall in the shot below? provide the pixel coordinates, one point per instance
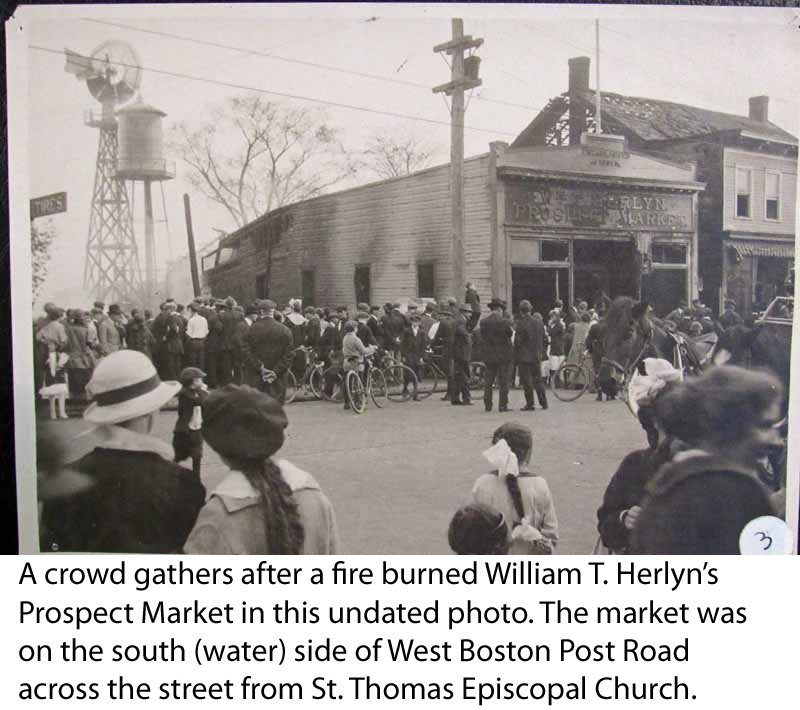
(390, 226)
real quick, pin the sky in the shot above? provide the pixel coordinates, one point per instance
(715, 58)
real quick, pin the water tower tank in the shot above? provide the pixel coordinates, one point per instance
(141, 143)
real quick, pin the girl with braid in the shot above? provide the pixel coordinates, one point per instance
(521, 496)
(264, 506)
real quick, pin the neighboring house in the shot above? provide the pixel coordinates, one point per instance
(746, 220)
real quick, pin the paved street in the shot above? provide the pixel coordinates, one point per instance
(396, 475)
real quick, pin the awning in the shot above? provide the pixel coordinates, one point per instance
(761, 247)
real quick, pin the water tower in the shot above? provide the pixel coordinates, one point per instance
(141, 159)
(112, 272)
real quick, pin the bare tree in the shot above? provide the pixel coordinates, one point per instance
(390, 155)
(41, 239)
(253, 156)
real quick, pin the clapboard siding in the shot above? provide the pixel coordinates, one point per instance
(760, 163)
(390, 226)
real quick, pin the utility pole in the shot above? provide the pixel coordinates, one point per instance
(463, 76)
(187, 210)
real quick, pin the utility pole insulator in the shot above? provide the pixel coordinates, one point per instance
(460, 81)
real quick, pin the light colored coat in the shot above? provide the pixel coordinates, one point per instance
(537, 501)
(232, 523)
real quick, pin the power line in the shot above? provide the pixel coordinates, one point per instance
(292, 60)
(296, 97)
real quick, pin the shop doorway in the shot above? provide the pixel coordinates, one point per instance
(664, 289)
(541, 286)
(604, 268)
(772, 274)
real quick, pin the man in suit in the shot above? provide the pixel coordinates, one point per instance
(529, 351)
(474, 301)
(374, 323)
(413, 347)
(267, 351)
(330, 348)
(496, 333)
(443, 340)
(462, 354)
(427, 320)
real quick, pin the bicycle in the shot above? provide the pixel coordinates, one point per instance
(401, 381)
(312, 377)
(358, 393)
(430, 375)
(571, 380)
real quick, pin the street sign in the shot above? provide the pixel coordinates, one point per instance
(49, 204)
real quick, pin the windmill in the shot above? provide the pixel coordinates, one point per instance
(112, 272)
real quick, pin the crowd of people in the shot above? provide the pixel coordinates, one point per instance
(719, 436)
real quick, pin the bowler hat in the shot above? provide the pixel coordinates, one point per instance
(114, 310)
(99, 305)
(363, 307)
(240, 422)
(124, 386)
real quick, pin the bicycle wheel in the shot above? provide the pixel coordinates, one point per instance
(428, 380)
(377, 388)
(355, 392)
(291, 388)
(316, 383)
(571, 382)
(401, 383)
(332, 385)
(477, 375)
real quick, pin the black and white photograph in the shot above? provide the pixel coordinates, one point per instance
(404, 279)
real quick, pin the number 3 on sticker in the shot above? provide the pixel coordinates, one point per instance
(766, 535)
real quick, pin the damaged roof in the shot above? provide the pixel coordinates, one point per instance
(654, 120)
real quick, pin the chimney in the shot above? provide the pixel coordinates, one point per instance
(578, 81)
(759, 108)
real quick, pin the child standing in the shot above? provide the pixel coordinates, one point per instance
(55, 383)
(187, 439)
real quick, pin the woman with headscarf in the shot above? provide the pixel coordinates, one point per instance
(623, 496)
(521, 496)
(264, 506)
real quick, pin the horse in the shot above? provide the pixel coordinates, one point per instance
(631, 335)
(765, 345)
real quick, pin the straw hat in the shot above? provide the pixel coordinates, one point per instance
(125, 385)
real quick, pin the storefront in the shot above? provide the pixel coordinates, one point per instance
(757, 270)
(586, 222)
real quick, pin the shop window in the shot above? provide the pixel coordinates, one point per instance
(772, 194)
(669, 253)
(262, 286)
(425, 281)
(362, 284)
(555, 251)
(744, 184)
(308, 279)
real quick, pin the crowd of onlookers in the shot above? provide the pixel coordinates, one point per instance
(717, 437)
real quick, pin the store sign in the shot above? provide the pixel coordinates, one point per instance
(542, 204)
(49, 204)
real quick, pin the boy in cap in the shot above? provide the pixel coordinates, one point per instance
(187, 438)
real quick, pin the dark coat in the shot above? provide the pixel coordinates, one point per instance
(365, 335)
(462, 341)
(729, 319)
(188, 399)
(496, 333)
(138, 337)
(594, 340)
(377, 330)
(173, 334)
(312, 333)
(625, 490)
(330, 342)
(214, 337)
(393, 325)
(139, 503)
(529, 342)
(228, 324)
(556, 330)
(473, 299)
(412, 346)
(445, 335)
(269, 344)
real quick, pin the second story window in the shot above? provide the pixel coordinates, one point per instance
(744, 190)
(772, 196)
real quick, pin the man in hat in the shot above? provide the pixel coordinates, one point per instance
(108, 335)
(730, 317)
(529, 351)
(313, 329)
(496, 339)
(413, 347)
(443, 341)
(213, 339)
(296, 322)
(136, 500)
(267, 353)
(462, 354)
(472, 298)
(138, 336)
(374, 323)
(427, 320)
(227, 341)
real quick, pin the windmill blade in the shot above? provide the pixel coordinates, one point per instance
(77, 64)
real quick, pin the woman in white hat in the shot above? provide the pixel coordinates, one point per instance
(138, 500)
